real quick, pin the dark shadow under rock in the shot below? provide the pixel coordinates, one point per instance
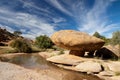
(77, 53)
(105, 53)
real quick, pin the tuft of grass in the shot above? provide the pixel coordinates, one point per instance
(61, 52)
(117, 73)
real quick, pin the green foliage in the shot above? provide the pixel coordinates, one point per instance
(61, 52)
(107, 40)
(115, 38)
(21, 45)
(117, 73)
(96, 34)
(43, 42)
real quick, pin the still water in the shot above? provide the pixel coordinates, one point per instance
(36, 62)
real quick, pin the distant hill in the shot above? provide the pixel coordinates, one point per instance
(5, 35)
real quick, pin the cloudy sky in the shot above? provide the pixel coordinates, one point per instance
(37, 17)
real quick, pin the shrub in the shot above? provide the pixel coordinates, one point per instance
(43, 42)
(21, 45)
(61, 52)
(115, 38)
(107, 40)
(96, 34)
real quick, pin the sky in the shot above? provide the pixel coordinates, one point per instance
(38, 17)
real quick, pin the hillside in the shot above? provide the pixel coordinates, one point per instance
(5, 35)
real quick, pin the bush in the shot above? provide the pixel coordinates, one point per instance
(107, 40)
(43, 42)
(115, 38)
(61, 52)
(96, 34)
(21, 45)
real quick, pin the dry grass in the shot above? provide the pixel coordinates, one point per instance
(6, 49)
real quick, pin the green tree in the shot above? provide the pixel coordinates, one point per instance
(43, 42)
(96, 34)
(115, 38)
(17, 33)
(21, 45)
(107, 40)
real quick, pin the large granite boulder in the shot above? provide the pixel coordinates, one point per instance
(77, 42)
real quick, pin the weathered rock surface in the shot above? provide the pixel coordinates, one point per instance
(10, 71)
(108, 52)
(115, 49)
(89, 66)
(65, 59)
(74, 40)
(105, 69)
(115, 78)
(107, 73)
(114, 66)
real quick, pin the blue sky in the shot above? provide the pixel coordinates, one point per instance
(37, 17)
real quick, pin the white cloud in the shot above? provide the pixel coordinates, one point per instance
(35, 25)
(57, 5)
(94, 19)
(91, 19)
(88, 19)
(6, 27)
(58, 20)
(32, 5)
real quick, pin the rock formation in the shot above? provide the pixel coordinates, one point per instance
(77, 42)
(108, 52)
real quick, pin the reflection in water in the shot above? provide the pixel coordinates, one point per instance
(30, 61)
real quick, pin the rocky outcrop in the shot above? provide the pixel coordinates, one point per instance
(108, 52)
(106, 70)
(77, 42)
(5, 36)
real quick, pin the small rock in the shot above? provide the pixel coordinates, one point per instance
(89, 66)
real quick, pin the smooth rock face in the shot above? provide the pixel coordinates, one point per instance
(89, 66)
(65, 59)
(74, 40)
